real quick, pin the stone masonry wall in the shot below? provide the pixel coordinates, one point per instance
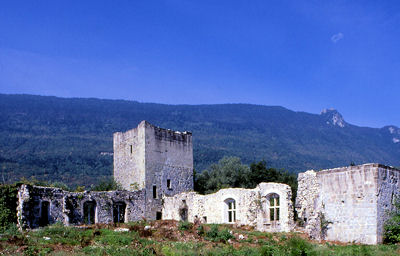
(168, 156)
(129, 158)
(307, 205)
(149, 157)
(388, 193)
(348, 200)
(251, 207)
(68, 207)
(346, 204)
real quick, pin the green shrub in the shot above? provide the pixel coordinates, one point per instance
(110, 237)
(299, 247)
(218, 236)
(12, 230)
(224, 235)
(185, 225)
(213, 232)
(107, 185)
(200, 230)
(392, 225)
(270, 250)
(62, 235)
(8, 206)
(392, 230)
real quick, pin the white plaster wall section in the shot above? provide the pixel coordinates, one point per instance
(285, 207)
(213, 208)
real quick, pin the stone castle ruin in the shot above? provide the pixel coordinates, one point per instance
(155, 168)
(157, 161)
(347, 204)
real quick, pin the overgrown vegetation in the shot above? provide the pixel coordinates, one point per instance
(166, 238)
(185, 225)
(8, 205)
(107, 185)
(392, 225)
(230, 172)
(217, 235)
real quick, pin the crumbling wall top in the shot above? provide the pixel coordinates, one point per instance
(354, 168)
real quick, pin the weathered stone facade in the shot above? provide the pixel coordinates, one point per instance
(155, 159)
(40, 206)
(267, 207)
(149, 162)
(348, 204)
(155, 168)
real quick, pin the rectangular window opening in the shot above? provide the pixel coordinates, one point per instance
(271, 214)
(205, 219)
(44, 216)
(272, 202)
(158, 215)
(169, 184)
(154, 192)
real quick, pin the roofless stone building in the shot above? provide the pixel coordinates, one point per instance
(155, 168)
(348, 204)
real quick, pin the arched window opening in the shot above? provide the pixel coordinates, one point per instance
(274, 206)
(89, 211)
(231, 210)
(119, 212)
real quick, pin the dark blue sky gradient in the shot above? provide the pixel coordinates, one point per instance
(303, 55)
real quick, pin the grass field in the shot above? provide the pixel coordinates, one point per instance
(171, 238)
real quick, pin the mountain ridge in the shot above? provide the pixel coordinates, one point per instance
(55, 138)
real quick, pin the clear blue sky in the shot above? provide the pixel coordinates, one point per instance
(303, 55)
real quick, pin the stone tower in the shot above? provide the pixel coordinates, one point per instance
(155, 159)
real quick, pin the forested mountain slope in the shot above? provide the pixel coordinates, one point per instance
(71, 139)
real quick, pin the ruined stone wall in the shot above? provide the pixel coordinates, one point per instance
(388, 193)
(307, 204)
(129, 158)
(286, 222)
(169, 159)
(68, 207)
(348, 200)
(251, 207)
(346, 204)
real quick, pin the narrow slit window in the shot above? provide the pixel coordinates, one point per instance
(169, 184)
(131, 149)
(154, 192)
